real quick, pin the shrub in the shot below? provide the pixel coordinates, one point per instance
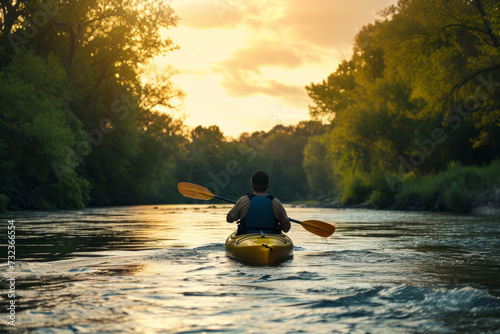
(379, 199)
(456, 196)
(491, 173)
(426, 189)
(355, 190)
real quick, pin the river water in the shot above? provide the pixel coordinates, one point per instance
(163, 269)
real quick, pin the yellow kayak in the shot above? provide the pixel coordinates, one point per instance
(255, 248)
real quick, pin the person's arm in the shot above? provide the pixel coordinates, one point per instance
(285, 225)
(238, 210)
(281, 215)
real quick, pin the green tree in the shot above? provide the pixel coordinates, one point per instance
(206, 152)
(317, 166)
(104, 47)
(419, 91)
(452, 50)
(333, 95)
(39, 135)
(161, 160)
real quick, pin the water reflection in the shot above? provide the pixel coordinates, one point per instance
(55, 236)
(147, 269)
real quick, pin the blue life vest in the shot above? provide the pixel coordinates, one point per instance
(260, 216)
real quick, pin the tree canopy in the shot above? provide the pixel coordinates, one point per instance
(79, 123)
(76, 120)
(421, 90)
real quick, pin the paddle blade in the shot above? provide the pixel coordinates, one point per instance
(318, 227)
(192, 190)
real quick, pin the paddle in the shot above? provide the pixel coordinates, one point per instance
(195, 191)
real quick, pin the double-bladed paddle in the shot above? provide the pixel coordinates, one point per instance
(196, 191)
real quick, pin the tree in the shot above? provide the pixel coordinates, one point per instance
(453, 49)
(102, 48)
(317, 166)
(333, 95)
(39, 136)
(206, 152)
(419, 85)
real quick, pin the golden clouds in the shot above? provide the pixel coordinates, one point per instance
(261, 48)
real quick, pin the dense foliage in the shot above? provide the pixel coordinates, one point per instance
(417, 103)
(422, 89)
(76, 121)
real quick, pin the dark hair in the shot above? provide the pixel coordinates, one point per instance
(260, 181)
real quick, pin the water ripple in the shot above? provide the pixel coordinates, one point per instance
(144, 270)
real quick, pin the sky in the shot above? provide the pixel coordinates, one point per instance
(244, 64)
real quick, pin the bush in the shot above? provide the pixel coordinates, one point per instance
(425, 189)
(491, 173)
(452, 188)
(355, 190)
(379, 199)
(456, 196)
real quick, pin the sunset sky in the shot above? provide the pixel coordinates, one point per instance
(244, 63)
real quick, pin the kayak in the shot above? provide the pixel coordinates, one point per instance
(260, 249)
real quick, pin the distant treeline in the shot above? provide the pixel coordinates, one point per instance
(78, 126)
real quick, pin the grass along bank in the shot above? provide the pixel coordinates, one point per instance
(458, 189)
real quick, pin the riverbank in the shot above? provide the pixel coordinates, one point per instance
(456, 189)
(484, 202)
(469, 189)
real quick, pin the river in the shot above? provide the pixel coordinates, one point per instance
(163, 269)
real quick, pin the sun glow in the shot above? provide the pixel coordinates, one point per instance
(242, 62)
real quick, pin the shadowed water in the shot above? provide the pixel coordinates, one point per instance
(164, 269)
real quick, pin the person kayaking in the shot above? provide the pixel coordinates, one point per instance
(259, 212)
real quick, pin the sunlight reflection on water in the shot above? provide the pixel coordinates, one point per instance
(148, 269)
